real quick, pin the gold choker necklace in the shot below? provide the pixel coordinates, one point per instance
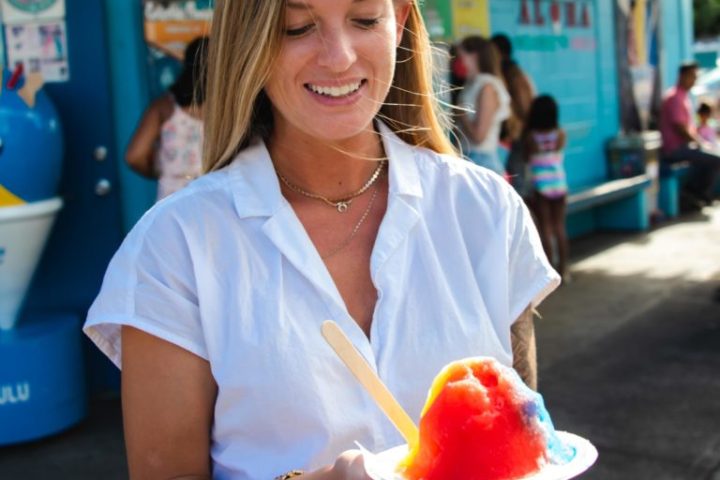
(342, 204)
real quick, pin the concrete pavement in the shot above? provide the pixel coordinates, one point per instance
(629, 358)
(630, 351)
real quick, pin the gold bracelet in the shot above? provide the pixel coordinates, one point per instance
(286, 476)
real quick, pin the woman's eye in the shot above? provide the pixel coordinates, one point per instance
(367, 22)
(296, 32)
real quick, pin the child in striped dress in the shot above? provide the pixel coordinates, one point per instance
(545, 141)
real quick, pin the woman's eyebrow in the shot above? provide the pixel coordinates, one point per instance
(305, 6)
(299, 6)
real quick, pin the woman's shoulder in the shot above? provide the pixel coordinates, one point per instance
(206, 199)
(472, 197)
(496, 86)
(449, 172)
(165, 106)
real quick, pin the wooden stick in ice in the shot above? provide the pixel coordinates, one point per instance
(369, 379)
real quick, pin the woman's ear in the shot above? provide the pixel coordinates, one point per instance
(402, 11)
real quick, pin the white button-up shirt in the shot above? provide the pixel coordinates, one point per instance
(225, 269)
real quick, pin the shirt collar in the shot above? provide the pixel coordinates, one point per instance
(256, 188)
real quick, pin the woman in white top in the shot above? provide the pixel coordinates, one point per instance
(332, 193)
(486, 103)
(167, 143)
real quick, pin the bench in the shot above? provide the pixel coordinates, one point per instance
(671, 180)
(614, 205)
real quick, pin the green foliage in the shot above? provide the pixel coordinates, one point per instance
(707, 18)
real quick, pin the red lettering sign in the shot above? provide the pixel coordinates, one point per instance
(570, 14)
(555, 11)
(525, 13)
(585, 22)
(539, 18)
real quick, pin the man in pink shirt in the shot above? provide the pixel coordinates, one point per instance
(681, 141)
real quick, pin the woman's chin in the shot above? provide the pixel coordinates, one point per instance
(338, 130)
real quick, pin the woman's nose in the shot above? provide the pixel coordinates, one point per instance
(337, 50)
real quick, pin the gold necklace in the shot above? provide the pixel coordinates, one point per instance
(342, 204)
(357, 226)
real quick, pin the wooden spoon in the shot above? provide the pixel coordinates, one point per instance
(368, 378)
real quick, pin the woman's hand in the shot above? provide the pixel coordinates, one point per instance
(348, 466)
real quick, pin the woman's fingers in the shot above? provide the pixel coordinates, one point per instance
(350, 466)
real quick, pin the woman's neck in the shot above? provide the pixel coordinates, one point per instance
(329, 169)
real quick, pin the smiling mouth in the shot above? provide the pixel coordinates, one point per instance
(338, 91)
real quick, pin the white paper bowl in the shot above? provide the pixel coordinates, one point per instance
(381, 466)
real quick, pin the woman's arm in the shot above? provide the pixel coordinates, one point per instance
(168, 397)
(140, 153)
(562, 139)
(524, 348)
(486, 105)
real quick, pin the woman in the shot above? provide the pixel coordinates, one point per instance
(167, 143)
(486, 101)
(522, 92)
(328, 197)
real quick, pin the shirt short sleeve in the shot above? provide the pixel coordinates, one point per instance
(149, 285)
(531, 278)
(678, 110)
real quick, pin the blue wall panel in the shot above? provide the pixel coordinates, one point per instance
(130, 94)
(677, 36)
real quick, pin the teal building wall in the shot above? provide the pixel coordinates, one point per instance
(130, 92)
(677, 37)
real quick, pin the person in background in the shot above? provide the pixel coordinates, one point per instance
(545, 142)
(519, 85)
(457, 77)
(486, 103)
(681, 140)
(457, 73)
(167, 143)
(522, 91)
(332, 192)
(706, 126)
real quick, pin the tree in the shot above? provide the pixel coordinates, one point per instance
(707, 18)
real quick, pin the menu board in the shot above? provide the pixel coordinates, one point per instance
(170, 27)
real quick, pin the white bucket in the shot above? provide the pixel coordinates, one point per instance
(23, 232)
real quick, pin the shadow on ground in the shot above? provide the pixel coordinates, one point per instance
(644, 387)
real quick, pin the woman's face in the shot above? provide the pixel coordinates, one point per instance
(470, 61)
(336, 65)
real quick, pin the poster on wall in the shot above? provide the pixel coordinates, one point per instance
(638, 50)
(40, 48)
(438, 19)
(470, 17)
(25, 11)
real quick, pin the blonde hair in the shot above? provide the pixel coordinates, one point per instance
(246, 38)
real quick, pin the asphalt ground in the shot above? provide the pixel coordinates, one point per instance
(629, 357)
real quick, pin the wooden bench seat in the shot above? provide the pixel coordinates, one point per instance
(616, 204)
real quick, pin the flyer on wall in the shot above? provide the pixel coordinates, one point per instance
(40, 47)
